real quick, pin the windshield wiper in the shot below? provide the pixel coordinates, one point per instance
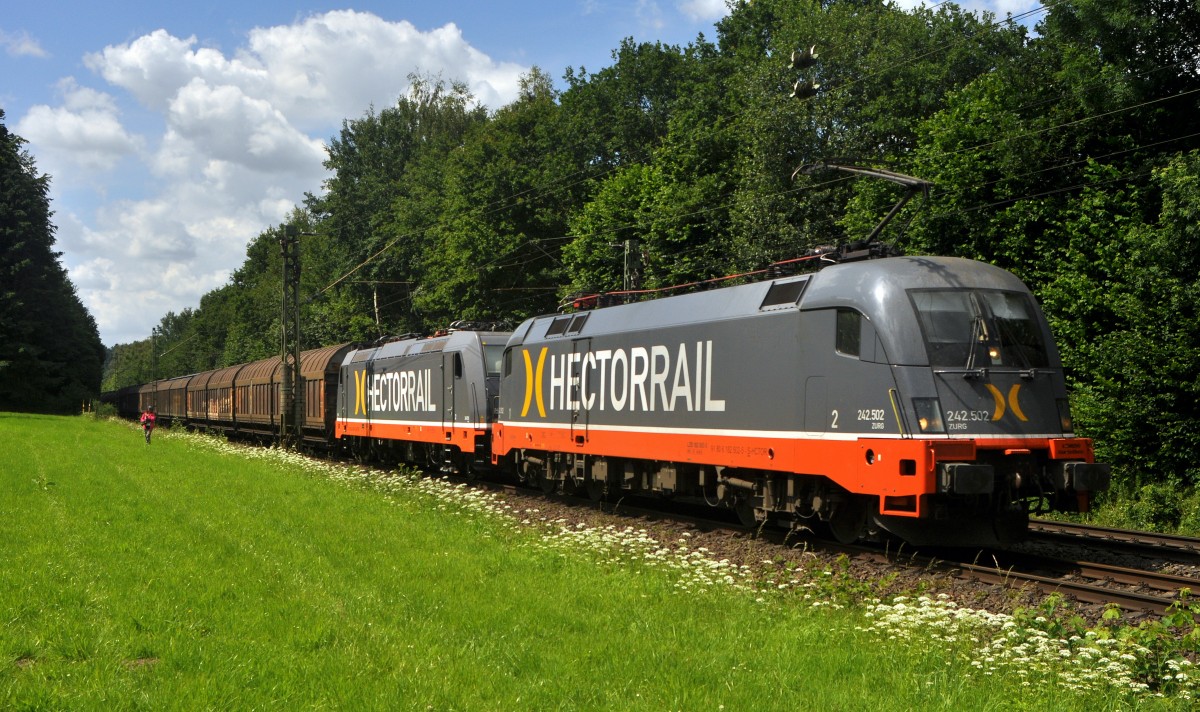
(978, 329)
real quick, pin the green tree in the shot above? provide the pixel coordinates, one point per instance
(1125, 307)
(51, 357)
(386, 193)
(495, 254)
(616, 215)
(671, 208)
(619, 115)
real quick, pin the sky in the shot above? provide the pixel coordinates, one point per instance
(175, 133)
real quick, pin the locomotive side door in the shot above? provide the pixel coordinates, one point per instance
(367, 368)
(452, 366)
(576, 390)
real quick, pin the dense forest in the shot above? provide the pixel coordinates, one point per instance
(1067, 154)
(51, 357)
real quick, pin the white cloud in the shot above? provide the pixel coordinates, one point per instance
(240, 141)
(342, 59)
(83, 136)
(223, 123)
(20, 44)
(144, 258)
(704, 10)
(154, 67)
(314, 71)
(650, 16)
(1000, 8)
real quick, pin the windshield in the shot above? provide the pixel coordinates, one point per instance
(980, 328)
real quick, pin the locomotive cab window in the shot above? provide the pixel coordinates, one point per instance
(980, 328)
(492, 356)
(849, 332)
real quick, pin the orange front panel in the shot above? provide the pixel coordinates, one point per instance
(1072, 449)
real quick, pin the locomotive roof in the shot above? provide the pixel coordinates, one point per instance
(876, 287)
(410, 347)
(877, 282)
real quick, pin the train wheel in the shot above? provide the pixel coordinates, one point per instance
(467, 469)
(849, 519)
(547, 484)
(433, 457)
(744, 510)
(595, 489)
(359, 452)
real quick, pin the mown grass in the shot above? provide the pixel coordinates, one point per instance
(179, 576)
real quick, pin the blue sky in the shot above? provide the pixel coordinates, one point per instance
(174, 133)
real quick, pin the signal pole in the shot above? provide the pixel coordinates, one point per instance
(633, 265)
(291, 387)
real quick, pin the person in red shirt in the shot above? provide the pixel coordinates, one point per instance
(148, 422)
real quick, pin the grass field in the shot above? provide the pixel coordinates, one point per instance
(182, 575)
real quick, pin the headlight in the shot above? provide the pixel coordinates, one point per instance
(1064, 415)
(929, 415)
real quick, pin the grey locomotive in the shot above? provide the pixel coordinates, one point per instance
(919, 395)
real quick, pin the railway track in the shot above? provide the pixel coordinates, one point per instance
(1131, 589)
(1089, 582)
(1150, 543)
(1136, 590)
